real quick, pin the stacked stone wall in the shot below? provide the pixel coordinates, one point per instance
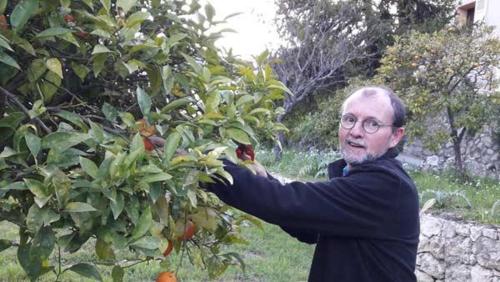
(452, 251)
(481, 154)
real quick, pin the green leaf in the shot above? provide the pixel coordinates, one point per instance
(12, 120)
(117, 204)
(8, 60)
(244, 99)
(212, 102)
(117, 273)
(41, 191)
(54, 65)
(62, 186)
(81, 70)
(8, 152)
(126, 5)
(34, 143)
(3, 4)
(86, 270)
(89, 3)
(50, 85)
(100, 49)
(171, 145)
(61, 141)
(144, 101)
(5, 44)
(109, 112)
(192, 198)
(38, 217)
(157, 177)
(73, 118)
(43, 243)
(175, 104)
(89, 167)
(137, 143)
(4, 244)
(238, 135)
(36, 70)
(79, 207)
(22, 13)
(143, 225)
(147, 242)
(210, 12)
(24, 44)
(106, 4)
(137, 18)
(104, 250)
(99, 60)
(96, 131)
(13, 186)
(53, 31)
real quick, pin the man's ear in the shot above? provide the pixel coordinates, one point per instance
(396, 136)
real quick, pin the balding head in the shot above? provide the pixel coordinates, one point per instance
(398, 107)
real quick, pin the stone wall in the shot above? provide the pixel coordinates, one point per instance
(481, 154)
(450, 250)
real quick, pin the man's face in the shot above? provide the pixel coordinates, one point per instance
(356, 145)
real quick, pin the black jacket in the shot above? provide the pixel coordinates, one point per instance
(365, 224)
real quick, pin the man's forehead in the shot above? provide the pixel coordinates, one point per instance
(371, 101)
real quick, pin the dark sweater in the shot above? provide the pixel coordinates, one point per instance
(365, 224)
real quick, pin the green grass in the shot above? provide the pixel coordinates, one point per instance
(270, 255)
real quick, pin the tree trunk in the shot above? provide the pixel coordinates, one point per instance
(456, 139)
(278, 152)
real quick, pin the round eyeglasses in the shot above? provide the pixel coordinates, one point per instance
(370, 125)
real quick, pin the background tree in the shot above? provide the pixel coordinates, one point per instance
(450, 74)
(86, 87)
(331, 42)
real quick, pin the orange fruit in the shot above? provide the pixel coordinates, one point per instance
(169, 248)
(166, 276)
(3, 23)
(82, 34)
(148, 145)
(189, 230)
(69, 18)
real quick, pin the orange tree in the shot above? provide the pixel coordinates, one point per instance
(450, 73)
(84, 87)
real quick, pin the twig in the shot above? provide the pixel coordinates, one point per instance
(24, 109)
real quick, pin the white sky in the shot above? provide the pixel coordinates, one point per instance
(255, 29)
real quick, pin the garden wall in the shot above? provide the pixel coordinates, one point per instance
(450, 250)
(481, 154)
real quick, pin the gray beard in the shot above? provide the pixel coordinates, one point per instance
(352, 161)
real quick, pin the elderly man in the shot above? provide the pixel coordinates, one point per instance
(364, 220)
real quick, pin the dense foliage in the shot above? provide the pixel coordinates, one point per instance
(448, 75)
(85, 88)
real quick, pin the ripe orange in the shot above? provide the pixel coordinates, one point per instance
(82, 34)
(189, 230)
(69, 18)
(3, 23)
(148, 145)
(166, 276)
(169, 248)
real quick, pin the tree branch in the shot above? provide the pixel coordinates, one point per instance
(14, 99)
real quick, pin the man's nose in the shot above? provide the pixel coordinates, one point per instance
(357, 129)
